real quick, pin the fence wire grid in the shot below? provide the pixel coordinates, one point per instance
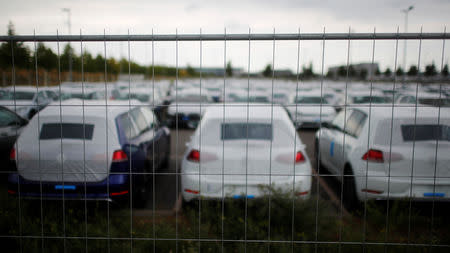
(276, 164)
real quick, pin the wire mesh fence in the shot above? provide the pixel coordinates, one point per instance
(226, 160)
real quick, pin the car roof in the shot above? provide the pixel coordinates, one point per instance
(385, 112)
(92, 108)
(24, 88)
(256, 111)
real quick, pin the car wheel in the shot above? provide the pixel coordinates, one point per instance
(319, 166)
(349, 197)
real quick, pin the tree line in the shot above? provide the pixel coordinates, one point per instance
(17, 54)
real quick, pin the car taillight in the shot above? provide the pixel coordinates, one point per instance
(373, 156)
(299, 157)
(119, 156)
(12, 154)
(194, 156)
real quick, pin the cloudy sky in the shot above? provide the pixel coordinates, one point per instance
(261, 16)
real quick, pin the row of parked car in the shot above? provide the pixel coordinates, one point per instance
(105, 147)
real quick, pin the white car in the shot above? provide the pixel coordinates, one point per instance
(27, 101)
(309, 109)
(423, 98)
(237, 153)
(187, 107)
(388, 159)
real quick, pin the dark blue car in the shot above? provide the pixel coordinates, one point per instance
(90, 151)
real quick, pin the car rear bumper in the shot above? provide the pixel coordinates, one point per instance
(115, 186)
(384, 187)
(194, 186)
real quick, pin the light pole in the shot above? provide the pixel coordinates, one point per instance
(69, 24)
(406, 11)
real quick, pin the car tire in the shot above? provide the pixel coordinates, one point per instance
(319, 166)
(349, 198)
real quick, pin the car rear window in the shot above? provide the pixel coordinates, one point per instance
(311, 100)
(252, 131)
(51, 131)
(371, 99)
(425, 132)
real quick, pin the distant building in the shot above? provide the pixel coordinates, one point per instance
(360, 70)
(218, 71)
(130, 77)
(283, 73)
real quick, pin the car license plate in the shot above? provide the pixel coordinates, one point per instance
(65, 187)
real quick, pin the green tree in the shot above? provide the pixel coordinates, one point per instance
(377, 71)
(351, 71)
(342, 71)
(45, 57)
(68, 56)
(413, 71)
(22, 58)
(430, 70)
(388, 72)
(267, 72)
(229, 69)
(444, 71)
(307, 72)
(399, 71)
(190, 70)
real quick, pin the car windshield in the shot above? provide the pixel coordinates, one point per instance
(21, 95)
(425, 132)
(311, 100)
(251, 131)
(278, 95)
(253, 99)
(4, 95)
(371, 99)
(442, 102)
(72, 95)
(191, 98)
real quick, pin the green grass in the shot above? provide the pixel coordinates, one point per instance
(303, 222)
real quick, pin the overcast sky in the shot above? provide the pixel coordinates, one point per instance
(261, 16)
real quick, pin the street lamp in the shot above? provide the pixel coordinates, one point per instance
(406, 11)
(69, 24)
